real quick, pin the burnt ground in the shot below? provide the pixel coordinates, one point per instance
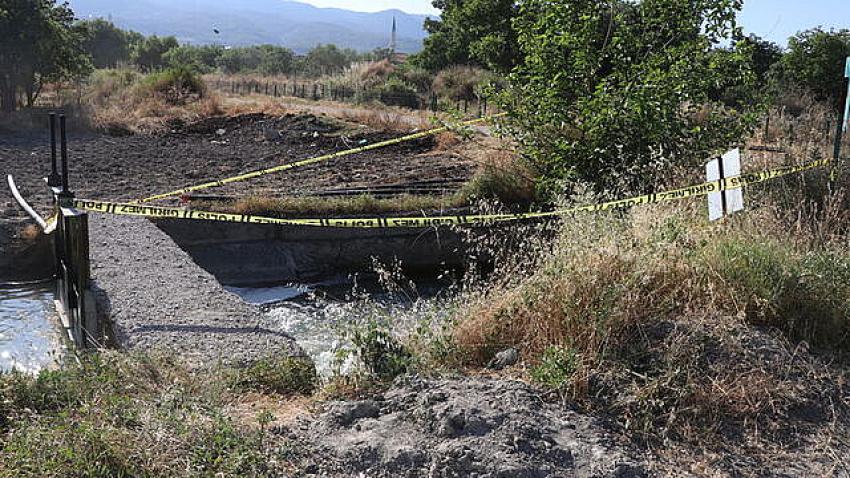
(127, 167)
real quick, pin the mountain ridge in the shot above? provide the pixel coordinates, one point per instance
(288, 23)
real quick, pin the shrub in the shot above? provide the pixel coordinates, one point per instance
(555, 368)
(383, 356)
(376, 71)
(461, 82)
(396, 92)
(419, 78)
(505, 178)
(176, 86)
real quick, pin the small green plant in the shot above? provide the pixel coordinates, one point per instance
(383, 357)
(286, 376)
(556, 368)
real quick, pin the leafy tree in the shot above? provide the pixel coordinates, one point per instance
(236, 60)
(328, 59)
(276, 60)
(203, 59)
(263, 59)
(613, 93)
(149, 54)
(471, 32)
(39, 43)
(765, 55)
(815, 60)
(107, 44)
(378, 54)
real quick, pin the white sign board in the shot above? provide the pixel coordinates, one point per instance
(726, 202)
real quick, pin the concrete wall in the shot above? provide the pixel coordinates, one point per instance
(250, 254)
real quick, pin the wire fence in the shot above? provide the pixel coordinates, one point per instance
(316, 91)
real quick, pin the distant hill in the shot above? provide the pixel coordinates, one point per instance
(248, 22)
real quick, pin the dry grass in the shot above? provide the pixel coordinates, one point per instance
(447, 141)
(657, 320)
(386, 118)
(122, 100)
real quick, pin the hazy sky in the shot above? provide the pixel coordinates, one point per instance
(409, 6)
(773, 19)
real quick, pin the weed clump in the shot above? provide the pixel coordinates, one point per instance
(176, 86)
(803, 294)
(287, 376)
(129, 415)
(124, 100)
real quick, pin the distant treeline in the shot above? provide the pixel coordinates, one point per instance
(42, 42)
(110, 46)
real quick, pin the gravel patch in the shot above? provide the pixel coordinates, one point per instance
(160, 301)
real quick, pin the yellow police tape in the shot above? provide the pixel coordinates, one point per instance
(703, 189)
(307, 162)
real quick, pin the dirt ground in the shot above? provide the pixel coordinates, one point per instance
(127, 167)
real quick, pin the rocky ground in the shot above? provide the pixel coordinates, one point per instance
(463, 427)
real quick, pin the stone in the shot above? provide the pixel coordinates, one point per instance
(504, 359)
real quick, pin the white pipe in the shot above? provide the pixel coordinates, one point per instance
(22, 202)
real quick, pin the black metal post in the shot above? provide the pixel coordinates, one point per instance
(66, 192)
(53, 180)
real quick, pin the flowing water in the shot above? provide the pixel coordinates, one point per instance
(315, 315)
(30, 339)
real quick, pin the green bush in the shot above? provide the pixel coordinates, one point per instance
(176, 85)
(556, 368)
(395, 92)
(815, 61)
(419, 78)
(382, 355)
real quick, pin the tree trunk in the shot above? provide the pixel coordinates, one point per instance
(8, 97)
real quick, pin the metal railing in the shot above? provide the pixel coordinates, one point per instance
(69, 229)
